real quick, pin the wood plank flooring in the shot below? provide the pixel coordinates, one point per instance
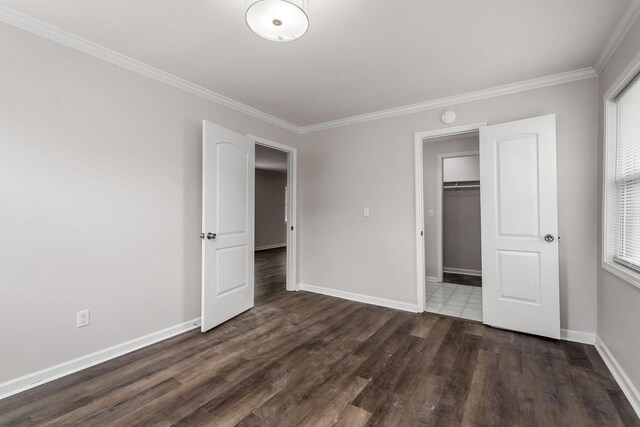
(462, 279)
(312, 360)
(270, 274)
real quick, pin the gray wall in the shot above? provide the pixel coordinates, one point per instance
(100, 188)
(371, 164)
(430, 151)
(618, 301)
(101, 169)
(461, 229)
(270, 194)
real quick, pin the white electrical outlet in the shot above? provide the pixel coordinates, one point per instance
(83, 318)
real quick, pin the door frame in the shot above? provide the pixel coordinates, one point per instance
(292, 185)
(439, 204)
(420, 138)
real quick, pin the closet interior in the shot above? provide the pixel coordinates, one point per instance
(455, 286)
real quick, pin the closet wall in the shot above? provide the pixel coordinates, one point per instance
(461, 230)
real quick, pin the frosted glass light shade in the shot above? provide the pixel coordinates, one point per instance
(278, 20)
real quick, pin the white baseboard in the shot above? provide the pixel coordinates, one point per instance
(628, 388)
(462, 271)
(35, 379)
(578, 336)
(398, 305)
(431, 279)
(266, 247)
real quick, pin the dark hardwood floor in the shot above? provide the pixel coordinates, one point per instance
(312, 360)
(462, 279)
(270, 274)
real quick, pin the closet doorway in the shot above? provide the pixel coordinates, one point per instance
(518, 224)
(451, 203)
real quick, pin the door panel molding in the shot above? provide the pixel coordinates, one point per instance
(521, 289)
(228, 182)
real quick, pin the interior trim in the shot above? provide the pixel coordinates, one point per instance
(628, 275)
(623, 380)
(578, 336)
(351, 296)
(537, 83)
(627, 19)
(26, 382)
(58, 35)
(267, 247)
(462, 271)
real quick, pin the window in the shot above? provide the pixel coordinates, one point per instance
(622, 226)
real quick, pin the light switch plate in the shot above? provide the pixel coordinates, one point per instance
(365, 212)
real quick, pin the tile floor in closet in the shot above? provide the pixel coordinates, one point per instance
(454, 300)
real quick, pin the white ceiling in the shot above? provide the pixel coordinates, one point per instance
(359, 56)
(270, 160)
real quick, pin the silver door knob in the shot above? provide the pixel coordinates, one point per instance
(549, 238)
(211, 236)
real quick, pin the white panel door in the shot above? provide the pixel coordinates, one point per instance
(228, 173)
(520, 276)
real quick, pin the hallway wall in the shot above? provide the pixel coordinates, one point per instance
(271, 230)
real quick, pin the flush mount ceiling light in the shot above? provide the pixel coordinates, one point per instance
(278, 20)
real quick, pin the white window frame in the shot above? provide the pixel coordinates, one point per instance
(608, 176)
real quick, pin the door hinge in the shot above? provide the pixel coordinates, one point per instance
(422, 233)
(292, 228)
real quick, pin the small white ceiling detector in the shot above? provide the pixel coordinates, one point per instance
(448, 117)
(278, 20)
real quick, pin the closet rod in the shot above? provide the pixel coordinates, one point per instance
(457, 187)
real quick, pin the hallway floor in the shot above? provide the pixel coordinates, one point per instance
(270, 274)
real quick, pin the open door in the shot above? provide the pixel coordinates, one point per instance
(228, 170)
(520, 226)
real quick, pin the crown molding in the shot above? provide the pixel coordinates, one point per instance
(627, 19)
(63, 37)
(540, 82)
